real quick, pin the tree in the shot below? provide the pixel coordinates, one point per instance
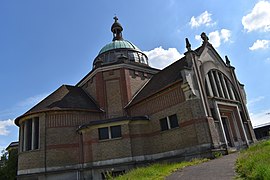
(8, 168)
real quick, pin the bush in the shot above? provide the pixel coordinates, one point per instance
(254, 163)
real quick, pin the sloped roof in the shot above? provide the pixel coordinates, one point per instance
(64, 98)
(162, 79)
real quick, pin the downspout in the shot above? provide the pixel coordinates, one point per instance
(45, 146)
(81, 154)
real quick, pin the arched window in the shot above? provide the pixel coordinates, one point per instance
(218, 85)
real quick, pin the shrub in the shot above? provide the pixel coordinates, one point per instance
(254, 163)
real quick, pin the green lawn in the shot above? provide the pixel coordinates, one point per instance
(254, 163)
(157, 171)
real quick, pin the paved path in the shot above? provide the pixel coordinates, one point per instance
(217, 169)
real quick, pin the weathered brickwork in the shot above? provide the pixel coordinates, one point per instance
(137, 80)
(90, 87)
(62, 156)
(69, 119)
(114, 99)
(34, 158)
(159, 101)
(31, 159)
(113, 148)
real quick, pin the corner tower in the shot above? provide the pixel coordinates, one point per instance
(119, 71)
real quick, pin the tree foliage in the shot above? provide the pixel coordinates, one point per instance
(8, 166)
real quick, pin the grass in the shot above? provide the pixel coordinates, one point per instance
(157, 171)
(254, 163)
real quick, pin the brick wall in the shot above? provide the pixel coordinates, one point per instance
(107, 149)
(34, 158)
(137, 80)
(90, 87)
(62, 141)
(156, 103)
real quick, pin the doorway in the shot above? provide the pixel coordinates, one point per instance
(226, 127)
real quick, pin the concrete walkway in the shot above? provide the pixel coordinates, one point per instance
(221, 169)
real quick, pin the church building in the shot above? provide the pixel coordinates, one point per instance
(124, 114)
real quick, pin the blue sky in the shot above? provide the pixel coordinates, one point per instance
(44, 44)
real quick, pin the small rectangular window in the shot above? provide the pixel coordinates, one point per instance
(169, 122)
(109, 132)
(103, 133)
(163, 124)
(115, 131)
(173, 121)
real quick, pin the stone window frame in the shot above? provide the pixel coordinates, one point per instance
(109, 130)
(168, 122)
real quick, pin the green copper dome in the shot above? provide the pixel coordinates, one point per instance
(119, 44)
(119, 50)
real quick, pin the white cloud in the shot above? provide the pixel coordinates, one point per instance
(254, 101)
(198, 37)
(260, 44)
(160, 58)
(216, 37)
(260, 118)
(225, 34)
(202, 19)
(259, 18)
(3, 126)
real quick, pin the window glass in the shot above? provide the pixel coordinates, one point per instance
(36, 135)
(103, 133)
(29, 134)
(115, 131)
(131, 56)
(163, 124)
(136, 57)
(173, 121)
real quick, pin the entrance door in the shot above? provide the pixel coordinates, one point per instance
(226, 126)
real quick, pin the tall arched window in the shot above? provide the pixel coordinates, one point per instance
(218, 85)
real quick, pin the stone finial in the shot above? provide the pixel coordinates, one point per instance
(228, 62)
(188, 45)
(204, 37)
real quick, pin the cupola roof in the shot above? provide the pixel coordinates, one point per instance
(119, 50)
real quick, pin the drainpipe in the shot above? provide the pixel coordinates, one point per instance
(45, 146)
(81, 154)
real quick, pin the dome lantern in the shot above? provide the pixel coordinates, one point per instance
(119, 50)
(117, 30)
